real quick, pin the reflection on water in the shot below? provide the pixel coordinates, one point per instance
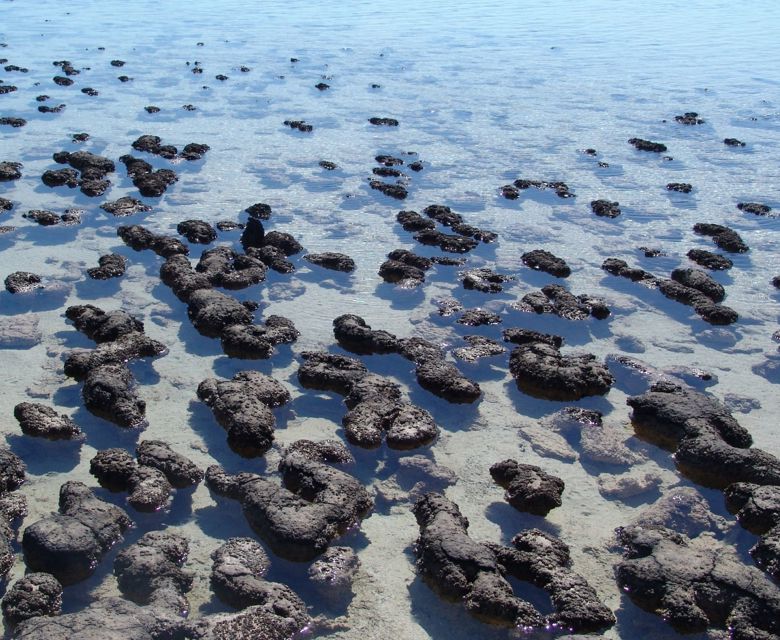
(485, 93)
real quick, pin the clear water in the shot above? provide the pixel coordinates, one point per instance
(485, 93)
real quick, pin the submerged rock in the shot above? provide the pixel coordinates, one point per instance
(485, 280)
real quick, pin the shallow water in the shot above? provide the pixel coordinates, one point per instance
(485, 94)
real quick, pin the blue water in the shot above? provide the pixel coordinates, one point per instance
(485, 93)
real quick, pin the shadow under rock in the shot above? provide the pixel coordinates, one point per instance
(44, 456)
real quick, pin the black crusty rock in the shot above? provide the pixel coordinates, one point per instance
(605, 208)
(242, 406)
(332, 260)
(354, 334)
(70, 544)
(238, 579)
(212, 311)
(10, 171)
(556, 299)
(125, 206)
(725, 237)
(696, 586)
(755, 208)
(541, 370)
(22, 282)
(647, 145)
(44, 422)
(541, 260)
(528, 487)
(152, 564)
(709, 260)
(701, 281)
(180, 471)
(34, 595)
(111, 265)
(253, 341)
(197, 231)
(298, 520)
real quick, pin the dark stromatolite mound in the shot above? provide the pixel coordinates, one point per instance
(436, 375)
(354, 334)
(333, 451)
(125, 206)
(679, 187)
(710, 446)
(332, 260)
(689, 118)
(725, 237)
(329, 371)
(755, 208)
(446, 242)
(150, 182)
(109, 393)
(252, 341)
(709, 260)
(259, 210)
(10, 171)
(113, 468)
(80, 362)
(93, 170)
(758, 510)
(153, 144)
(152, 564)
(102, 326)
(12, 471)
(544, 561)
(397, 190)
(478, 317)
(333, 572)
(70, 544)
(458, 567)
(526, 336)
(111, 265)
(733, 142)
(560, 188)
(605, 208)
(478, 347)
(230, 270)
(253, 234)
(34, 595)
(237, 577)
(41, 421)
(387, 122)
(542, 371)
(413, 221)
(554, 298)
(60, 178)
(282, 241)
(49, 218)
(405, 267)
(22, 282)
(376, 411)
(528, 487)
(484, 279)
(212, 311)
(197, 231)
(273, 257)
(177, 272)
(447, 217)
(300, 125)
(702, 304)
(298, 521)
(696, 585)
(242, 406)
(646, 145)
(140, 238)
(5, 204)
(12, 122)
(701, 281)
(541, 260)
(179, 470)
